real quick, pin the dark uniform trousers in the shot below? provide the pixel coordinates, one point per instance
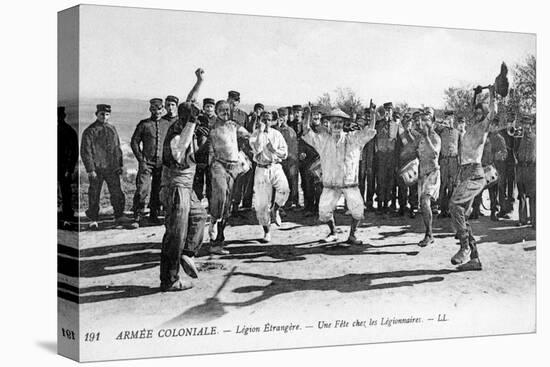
(185, 222)
(202, 178)
(366, 174)
(116, 195)
(66, 195)
(527, 182)
(500, 187)
(509, 182)
(385, 176)
(306, 176)
(449, 172)
(290, 168)
(148, 182)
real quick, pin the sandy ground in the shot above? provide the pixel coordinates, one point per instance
(298, 278)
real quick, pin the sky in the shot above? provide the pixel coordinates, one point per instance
(145, 53)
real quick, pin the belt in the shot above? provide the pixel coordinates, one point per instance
(265, 165)
(470, 165)
(227, 164)
(449, 156)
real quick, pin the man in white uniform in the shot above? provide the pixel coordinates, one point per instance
(340, 152)
(269, 150)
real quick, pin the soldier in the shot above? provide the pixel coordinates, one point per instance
(471, 181)
(494, 153)
(171, 106)
(102, 158)
(67, 157)
(296, 120)
(448, 160)
(224, 168)
(290, 164)
(339, 152)
(146, 144)
(202, 175)
(406, 145)
(509, 173)
(308, 156)
(185, 216)
(367, 169)
(242, 182)
(385, 158)
(527, 170)
(269, 148)
(429, 179)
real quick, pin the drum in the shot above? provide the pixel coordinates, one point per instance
(491, 175)
(409, 172)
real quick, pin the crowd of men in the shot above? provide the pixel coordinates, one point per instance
(241, 161)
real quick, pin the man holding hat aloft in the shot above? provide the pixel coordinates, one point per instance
(339, 152)
(471, 181)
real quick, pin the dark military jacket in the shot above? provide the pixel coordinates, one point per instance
(201, 155)
(150, 134)
(240, 117)
(383, 141)
(291, 141)
(67, 148)
(100, 147)
(512, 145)
(171, 119)
(297, 126)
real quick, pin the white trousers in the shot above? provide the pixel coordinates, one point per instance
(265, 181)
(330, 197)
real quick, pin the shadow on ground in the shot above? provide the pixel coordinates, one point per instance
(213, 308)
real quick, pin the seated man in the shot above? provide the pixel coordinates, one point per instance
(269, 149)
(339, 152)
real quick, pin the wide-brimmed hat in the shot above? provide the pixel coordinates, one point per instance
(338, 113)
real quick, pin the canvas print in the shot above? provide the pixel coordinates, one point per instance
(236, 183)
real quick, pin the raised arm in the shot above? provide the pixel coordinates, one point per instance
(194, 93)
(258, 139)
(308, 135)
(180, 143)
(492, 108)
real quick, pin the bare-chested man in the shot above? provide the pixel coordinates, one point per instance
(471, 181)
(224, 169)
(429, 179)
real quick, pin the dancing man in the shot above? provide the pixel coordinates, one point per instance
(471, 181)
(339, 152)
(429, 179)
(269, 149)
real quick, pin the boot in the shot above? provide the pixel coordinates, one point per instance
(474, 263)
(462, 255)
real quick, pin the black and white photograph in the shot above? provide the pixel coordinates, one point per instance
(282, 183)
(233, 183)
